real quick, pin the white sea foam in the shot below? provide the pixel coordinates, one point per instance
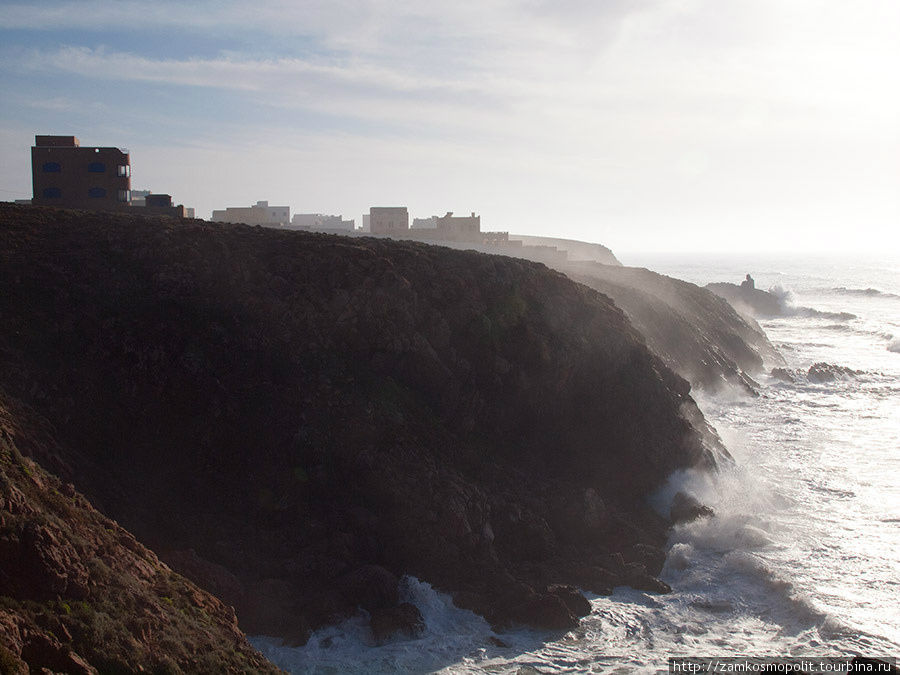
(451, 635)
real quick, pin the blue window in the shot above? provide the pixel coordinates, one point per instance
(52, 167)
(52, 193)
(96, 193)
(97, 167)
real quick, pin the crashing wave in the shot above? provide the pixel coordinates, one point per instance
(894, 345)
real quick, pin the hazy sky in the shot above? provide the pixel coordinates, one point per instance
(670, 125)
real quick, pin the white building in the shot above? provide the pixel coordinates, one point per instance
(319, 221)
(258, 214)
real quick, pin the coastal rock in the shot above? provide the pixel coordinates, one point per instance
(784, 375)
(752, 302)
(80, 595)
(371, 587)
(827, 372)
(685, 508)
(546, 611)
(653, 558)
(318, 416)
(697, 333)
(215, 578)
(572, 598)
(405, 620)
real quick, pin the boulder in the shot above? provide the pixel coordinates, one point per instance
(685, 508)
(405, 619)
(572, 598)
(372, 587)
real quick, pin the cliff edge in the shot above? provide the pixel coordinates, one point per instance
(697, 333)
(295, 420)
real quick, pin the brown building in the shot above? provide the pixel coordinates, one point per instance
(65, 174)
(388, 219)
(161, 205)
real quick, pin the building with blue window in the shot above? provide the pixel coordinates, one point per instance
(65, 174)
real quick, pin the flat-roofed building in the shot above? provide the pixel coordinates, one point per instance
(465, 228)
(388, 219)
(320, 221)
(65, 174)
(258, 214)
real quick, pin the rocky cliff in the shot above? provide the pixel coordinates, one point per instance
(697, 333)
(78, 594)
(294, 420)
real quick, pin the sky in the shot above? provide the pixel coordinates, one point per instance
(645, 125)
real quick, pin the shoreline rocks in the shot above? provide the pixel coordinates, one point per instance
(315, 417)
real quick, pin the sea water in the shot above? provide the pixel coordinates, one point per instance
(803, 555)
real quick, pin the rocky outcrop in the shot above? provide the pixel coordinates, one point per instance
(78, 594)
(696, 333)
(751, 302)
(686, 508)
(817, 373)
(754, 303)
(297, 420)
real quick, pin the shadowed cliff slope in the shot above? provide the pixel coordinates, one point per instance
(78, 594)
(293, 420)
(696, 333)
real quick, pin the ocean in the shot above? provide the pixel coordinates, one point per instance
(803, 555)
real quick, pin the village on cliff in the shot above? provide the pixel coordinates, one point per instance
(66, 174)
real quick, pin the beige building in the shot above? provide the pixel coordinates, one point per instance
(459, 228)
(388, 219)
(258, 214)
(320, 221)
(424, 223)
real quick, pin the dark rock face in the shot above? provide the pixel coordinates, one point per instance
(817, 373)
(404, 619)
(827, 372)
(697, 333)
(315, 416)
(686, 508)
(753, 302)
(78, 594)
